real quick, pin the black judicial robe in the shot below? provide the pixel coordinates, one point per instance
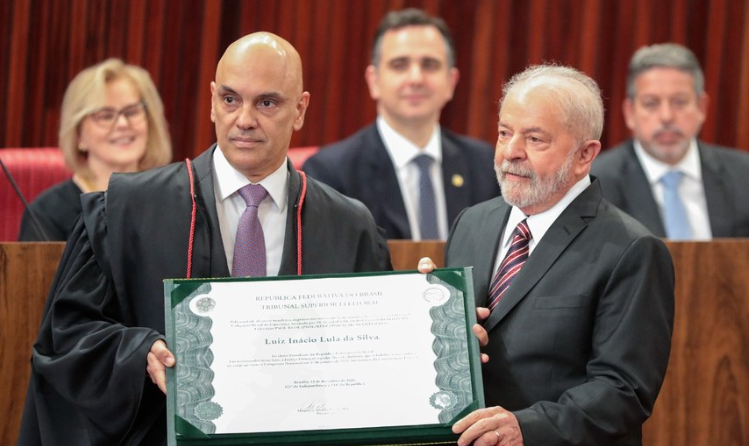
(89, 384)
(57, 209)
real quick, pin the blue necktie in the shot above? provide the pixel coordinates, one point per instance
(674, 214)
(427, 207)
(249, 243)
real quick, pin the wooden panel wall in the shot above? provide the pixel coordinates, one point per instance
(44, 43)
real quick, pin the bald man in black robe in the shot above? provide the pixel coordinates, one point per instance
(98, 365)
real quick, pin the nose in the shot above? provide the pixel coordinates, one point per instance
(415, 74)
(510, 148)
(121, 121)
(246, 119)
(666, 112)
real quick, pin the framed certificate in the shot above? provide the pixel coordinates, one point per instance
(356, 359)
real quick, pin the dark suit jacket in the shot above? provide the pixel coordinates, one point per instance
(360, 167)
(725, 175)
(579, 343)
(106, 307)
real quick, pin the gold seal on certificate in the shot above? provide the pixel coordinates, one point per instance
(381, 358)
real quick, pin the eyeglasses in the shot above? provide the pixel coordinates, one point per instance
(108, 116)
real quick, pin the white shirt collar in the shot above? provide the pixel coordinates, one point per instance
(229, 180)
(402, 151)
(539, 224)
(655, 169)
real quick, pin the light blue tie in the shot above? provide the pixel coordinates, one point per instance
(427, 206)
(674, 214)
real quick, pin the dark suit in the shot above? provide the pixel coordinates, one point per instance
(106, 308)
(725, 175)
(580, 341)
(360, 167)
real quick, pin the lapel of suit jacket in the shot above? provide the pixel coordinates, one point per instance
(561, 233)
(208, 252)
(717, 193)
(384, 181)
(289, 255)
(454, 174)
(490, 236)
(639, 194)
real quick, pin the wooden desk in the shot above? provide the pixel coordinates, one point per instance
(703, 401)
(705, 398)
(26, 273)
(405, 255)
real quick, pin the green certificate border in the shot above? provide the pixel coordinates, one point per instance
(180, 431)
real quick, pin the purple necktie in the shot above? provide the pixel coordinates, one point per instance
(511, 265)
(249, 243)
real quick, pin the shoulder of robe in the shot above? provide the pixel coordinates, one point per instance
(152, 183)
(148, 200)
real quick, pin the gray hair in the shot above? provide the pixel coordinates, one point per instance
(411, 17)
(577, 95)
(664, 55)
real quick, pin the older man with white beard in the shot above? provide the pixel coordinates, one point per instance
(576, 298)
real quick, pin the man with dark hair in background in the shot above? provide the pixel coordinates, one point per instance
(674, 184)
(413, 175)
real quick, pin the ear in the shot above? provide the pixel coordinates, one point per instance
(372, 78)
(454, 77)
(213, 97)
(301, 110)
(702, 103)
(585, 155)
(628, 110)
(81, 140)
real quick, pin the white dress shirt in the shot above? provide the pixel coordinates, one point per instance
(272, 210)
(538, 224)
(691, 188)
(402, 152)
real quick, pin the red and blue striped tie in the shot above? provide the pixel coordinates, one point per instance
(249, 243)
(511, 265)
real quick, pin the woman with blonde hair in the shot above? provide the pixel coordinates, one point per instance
(112, 120)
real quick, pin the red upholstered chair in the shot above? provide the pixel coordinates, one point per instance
(34, 169)
(298, 155)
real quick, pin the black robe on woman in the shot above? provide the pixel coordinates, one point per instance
(56, 209)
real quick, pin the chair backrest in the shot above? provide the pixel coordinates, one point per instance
(34, 170)
(298, 155)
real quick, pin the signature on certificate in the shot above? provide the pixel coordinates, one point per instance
(319, 406)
